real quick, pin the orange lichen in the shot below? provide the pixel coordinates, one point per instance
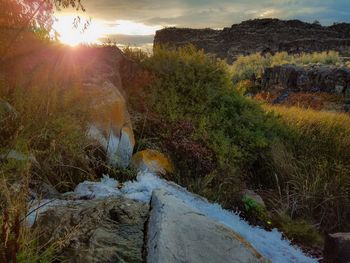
(154, 161)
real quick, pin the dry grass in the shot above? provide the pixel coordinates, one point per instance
(306, 100)
(42, 138)
(312, 168)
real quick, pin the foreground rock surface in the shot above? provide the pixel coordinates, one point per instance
(337, 248)
(179, 233)
(97, 231)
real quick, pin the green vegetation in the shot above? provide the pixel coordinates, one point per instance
(42, 138)
(249, 67)
(220, 141)
(191, 87)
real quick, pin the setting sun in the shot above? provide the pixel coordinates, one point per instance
(97, 30)
(70, 35)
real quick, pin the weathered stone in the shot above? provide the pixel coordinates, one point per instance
(111, 127)
(179, 233)
(261, 35)
(96, 231)
(307, 79)
(337, 248)
(254, 196)
(153, 161)
(7, 110)
(18, 156)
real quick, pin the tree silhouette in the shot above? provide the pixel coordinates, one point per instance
(21, 17)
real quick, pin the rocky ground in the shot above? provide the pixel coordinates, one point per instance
(152, 220)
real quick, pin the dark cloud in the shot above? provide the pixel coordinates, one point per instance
(218, 13)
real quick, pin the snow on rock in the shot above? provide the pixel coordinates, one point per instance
(269, 244)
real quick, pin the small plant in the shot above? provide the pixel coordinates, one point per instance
(122, 174)
(255, 212)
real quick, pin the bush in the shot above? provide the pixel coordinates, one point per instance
(191, 87)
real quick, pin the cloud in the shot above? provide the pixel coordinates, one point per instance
(218, 13)
(213, 13)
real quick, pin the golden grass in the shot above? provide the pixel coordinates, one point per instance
(312, 167)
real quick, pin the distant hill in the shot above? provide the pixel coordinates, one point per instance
(261, 35)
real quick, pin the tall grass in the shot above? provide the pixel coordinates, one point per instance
(313, 167)
(42, 138)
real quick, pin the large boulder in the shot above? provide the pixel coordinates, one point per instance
(179, 233)
(111, 126)
(337, 248)
(103, 73)
(96, 231)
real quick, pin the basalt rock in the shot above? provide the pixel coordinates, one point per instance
(308, 79)
(96, 231)
(337, 248)
(261, 35)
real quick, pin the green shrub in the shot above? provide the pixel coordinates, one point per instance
(193, 87)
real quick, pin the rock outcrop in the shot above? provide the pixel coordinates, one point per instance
(102, 72)
(261, 35)
(308, 79)
(179, 233)
(96, 231)
(337, 248)
(111, 127)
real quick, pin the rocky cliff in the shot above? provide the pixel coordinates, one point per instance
(261, 35)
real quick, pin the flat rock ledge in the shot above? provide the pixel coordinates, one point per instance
(106, 230)
(179, 233)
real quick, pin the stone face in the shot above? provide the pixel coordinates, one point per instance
(153, 161)
(308, 79)
(261, 35)
(97, 231)
(254, 196)
(178, 233)
(337, 248)
(111, 126)
(6, 110)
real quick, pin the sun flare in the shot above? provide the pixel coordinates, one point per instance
(97, 30)
(70, 35)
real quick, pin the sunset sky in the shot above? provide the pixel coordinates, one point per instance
(134, 22)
